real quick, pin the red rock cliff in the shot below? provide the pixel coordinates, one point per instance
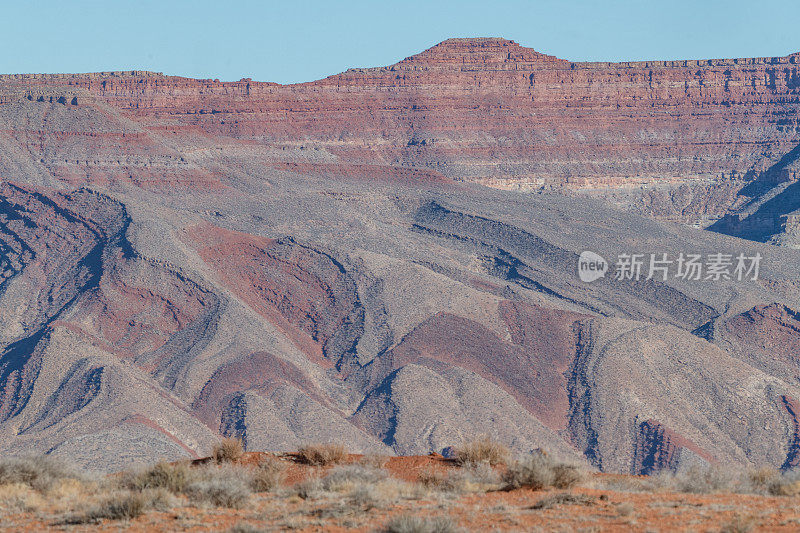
(492, 111)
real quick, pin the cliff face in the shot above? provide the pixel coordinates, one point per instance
(491, 111)
(182, 258)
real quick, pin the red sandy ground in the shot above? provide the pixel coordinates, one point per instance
(492, 511)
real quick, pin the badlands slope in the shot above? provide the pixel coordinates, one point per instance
(181, 259)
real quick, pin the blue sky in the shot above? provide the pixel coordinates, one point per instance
(300, 41)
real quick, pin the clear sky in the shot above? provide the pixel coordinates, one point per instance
(293, 41)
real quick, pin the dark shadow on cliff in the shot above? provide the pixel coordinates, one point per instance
(759, 219)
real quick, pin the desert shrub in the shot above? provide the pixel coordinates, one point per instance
(432, 479)
(475, 478)
(345, 477)
(20, 497)
(739, 524)
(40, 473)
(378, 495)
(710, 479)
(174, 477)
(566, 476)
(229, 450)
(124, 505)
(482, 450)
(310, 488)
(785, 484)
(417, 524)
(366, 497)
(374, 460)
(267, 476)
(244, 527)
(761, 478)
(534, 472)
(220, 491)
(701, 480)
(625, 509)
(438, 480)
(322, 454)
(363, 487)
(563, 498)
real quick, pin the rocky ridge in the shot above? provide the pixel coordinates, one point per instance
(182, 258)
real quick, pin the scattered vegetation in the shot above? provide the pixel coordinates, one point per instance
(124, 505)
(348, 476)
(770, 481)
(538, 471)
(417, 524)
(363, 487)
(41, 473)
(174, 477)
(374, 460)
(739, 524)
(476, 478)
(347, 492)
(310, 488)
(482, 450)
(230, 450)
(711, 479)
(244, 527)
(625, 509)
(563, 498)
(322, 454)
(699, 480)
(267, 475)
(220, 491)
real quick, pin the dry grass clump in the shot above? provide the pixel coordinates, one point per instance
(20, 497)
(35, 482)
(120, 506)
(232, 493)
(538, 471)
(374, 460)
(407, 523)
(566, 476)
(244, 527)
(172, 477)
(383, 494)
(124, 505)
(366, 487)
(709, 479)
(229, 450)
(625, 509)
(267, 475)
(469, 479)
(357, 486)
(220, 487)
(701, 480)
(322, 454)
(761, 478)
(345, 477)
(310, 488)
(563, 498)
(212, 485)
(739, 524)
(776, 483)
(482, 450)
(41, 473)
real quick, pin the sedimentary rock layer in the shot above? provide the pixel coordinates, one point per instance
(184, 259)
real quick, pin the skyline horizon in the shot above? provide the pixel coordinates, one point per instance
(476, 37)
(310, 40)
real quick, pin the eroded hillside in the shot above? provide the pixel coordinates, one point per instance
(188, 258)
